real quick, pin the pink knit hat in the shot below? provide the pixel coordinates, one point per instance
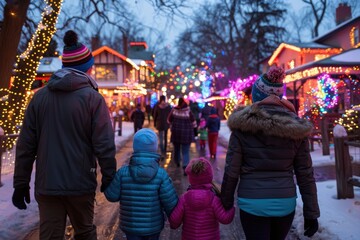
(268, 84)
(199, 171)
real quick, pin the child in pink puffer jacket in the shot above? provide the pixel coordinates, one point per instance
(199, 210)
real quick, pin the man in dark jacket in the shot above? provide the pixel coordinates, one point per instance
(67, 130)
(148, 110)
(138, 117)
(160, 120)
(195, 110)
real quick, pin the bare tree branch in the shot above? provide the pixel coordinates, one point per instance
(318, 10)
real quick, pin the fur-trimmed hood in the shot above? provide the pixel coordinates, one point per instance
(270, 118)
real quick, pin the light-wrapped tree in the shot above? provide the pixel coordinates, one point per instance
(13, 107)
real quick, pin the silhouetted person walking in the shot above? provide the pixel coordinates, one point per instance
(138, 117)
(182, 132)
(160, 121)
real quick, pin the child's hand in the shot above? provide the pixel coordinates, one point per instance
(215, 189)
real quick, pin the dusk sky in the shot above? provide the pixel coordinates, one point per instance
(150, 18)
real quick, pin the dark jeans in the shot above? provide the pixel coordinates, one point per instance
(265, 228)
(130, 236)
(184, 150)
(53, 211)
(163, 139)
(137, 128)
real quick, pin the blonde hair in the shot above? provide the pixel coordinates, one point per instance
(200, 166)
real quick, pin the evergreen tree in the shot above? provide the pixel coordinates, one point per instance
(351, 121)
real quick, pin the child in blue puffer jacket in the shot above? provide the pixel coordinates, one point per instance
(144, 190)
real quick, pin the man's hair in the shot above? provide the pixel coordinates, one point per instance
(162, 98)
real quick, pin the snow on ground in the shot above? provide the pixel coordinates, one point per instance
(339, 219)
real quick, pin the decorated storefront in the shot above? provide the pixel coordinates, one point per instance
(322, 76)
(331, 84)
(117, 77)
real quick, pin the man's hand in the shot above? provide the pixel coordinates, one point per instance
(20, 196)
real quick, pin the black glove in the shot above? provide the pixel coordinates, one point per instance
(310, 226)
(19, 195)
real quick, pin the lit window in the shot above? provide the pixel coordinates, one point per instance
(106, 72)
(291, 64)
(356, 35)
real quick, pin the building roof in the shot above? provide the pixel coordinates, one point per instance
(114, 52)
(334, 30)
(310, 45)
(315, 43)
(144, 55)
(144, 63)
(346, 62)
(49, 65)
(346, 58)
(296, 47)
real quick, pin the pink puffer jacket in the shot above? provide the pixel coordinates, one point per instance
(200, 211)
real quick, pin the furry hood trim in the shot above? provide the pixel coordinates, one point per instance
(272, 120)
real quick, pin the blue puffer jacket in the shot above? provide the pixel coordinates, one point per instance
(145, 191)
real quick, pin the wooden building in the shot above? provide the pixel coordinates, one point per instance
(335, 53)
(123, 81)
(117, 77)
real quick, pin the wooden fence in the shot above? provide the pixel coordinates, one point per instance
(345, 180)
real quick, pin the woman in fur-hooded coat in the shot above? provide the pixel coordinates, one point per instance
(267, 146)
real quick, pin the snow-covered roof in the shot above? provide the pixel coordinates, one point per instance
(139, 62)
(114, 52)
(351, 56)
(49, 65)
(296, 47)
(347, 59)
(310, 45)
(334, 30)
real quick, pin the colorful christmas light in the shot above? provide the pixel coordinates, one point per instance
(325, 93)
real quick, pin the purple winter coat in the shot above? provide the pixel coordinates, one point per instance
(182, 123)
(200, 211)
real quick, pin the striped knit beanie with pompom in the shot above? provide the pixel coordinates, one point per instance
(75, 54)
(270, 83)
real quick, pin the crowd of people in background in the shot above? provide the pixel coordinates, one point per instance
(206, 120)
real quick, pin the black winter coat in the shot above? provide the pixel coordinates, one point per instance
(161, 114)
(66, 128)
(267, 146)
(138, 117)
